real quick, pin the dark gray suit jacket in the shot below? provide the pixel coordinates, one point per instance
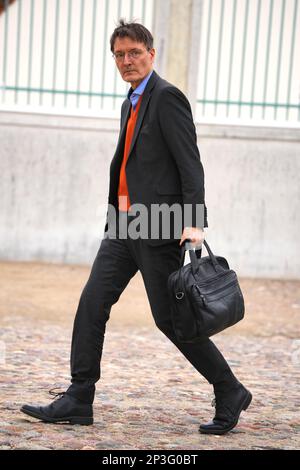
(164, 164)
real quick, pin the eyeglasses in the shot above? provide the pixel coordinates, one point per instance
(134, 54)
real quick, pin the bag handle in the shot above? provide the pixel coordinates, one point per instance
(194, 257)
(183, 250)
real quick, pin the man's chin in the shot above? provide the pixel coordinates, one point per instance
(127, 77)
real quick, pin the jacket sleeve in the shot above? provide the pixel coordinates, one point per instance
(178, 130)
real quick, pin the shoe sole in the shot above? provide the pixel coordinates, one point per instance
(83, 420)
(243, 407)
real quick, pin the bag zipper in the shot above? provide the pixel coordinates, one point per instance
(215, 291)
(211, 278)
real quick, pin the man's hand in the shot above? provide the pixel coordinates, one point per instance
(195, 234)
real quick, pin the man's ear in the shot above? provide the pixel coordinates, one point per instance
(152, 52)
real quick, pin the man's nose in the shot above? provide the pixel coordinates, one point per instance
(127, 59)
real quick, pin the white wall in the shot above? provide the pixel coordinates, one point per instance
(54, 186)
(253, 197)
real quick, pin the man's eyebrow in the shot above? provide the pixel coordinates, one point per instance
(130, 50)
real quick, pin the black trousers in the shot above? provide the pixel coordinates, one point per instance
(116, 262)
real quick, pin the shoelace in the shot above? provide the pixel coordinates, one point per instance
(56, 394)
(221, 407)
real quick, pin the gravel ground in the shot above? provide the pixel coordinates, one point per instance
(149, 396)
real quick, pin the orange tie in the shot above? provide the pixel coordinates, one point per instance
(123, 195)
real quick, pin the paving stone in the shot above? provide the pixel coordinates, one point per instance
(132, 411)
(149, 396)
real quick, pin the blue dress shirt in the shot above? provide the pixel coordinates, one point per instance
(134, 95)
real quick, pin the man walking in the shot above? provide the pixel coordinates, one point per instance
(156, 162)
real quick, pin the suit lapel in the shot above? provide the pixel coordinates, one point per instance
(125, 116)
(140, 117)
(124, 120)
(143, 107)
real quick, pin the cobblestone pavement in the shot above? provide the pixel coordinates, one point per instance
(149, 396)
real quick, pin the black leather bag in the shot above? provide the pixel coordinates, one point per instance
(205, 296)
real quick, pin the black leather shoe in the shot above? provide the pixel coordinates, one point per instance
(229, 406)
(65, 409)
